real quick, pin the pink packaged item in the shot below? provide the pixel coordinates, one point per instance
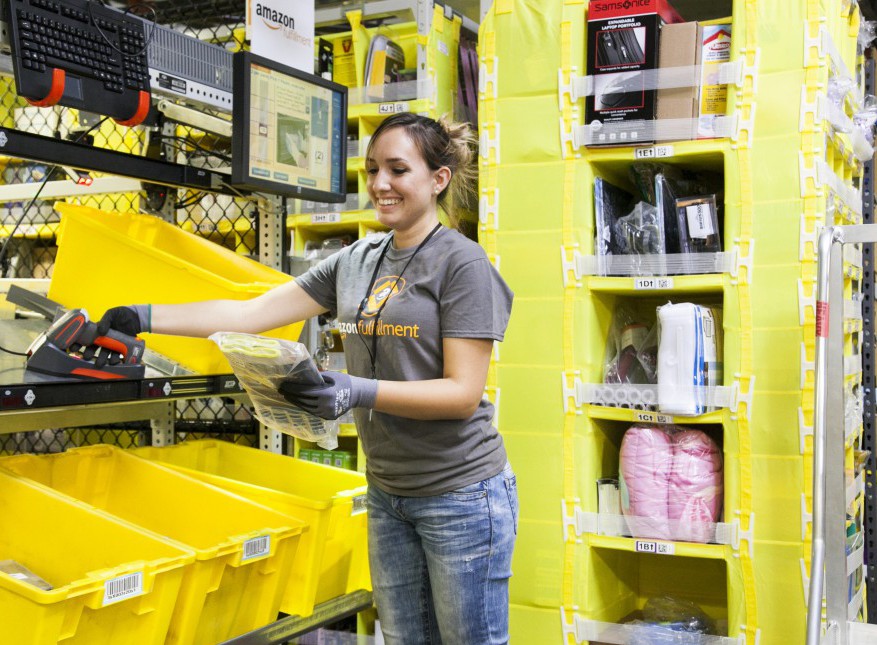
(671, 482)
(646, 463)
(696, 487)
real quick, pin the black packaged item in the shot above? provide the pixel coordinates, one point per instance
(610, 203)
(640, 232)
(698, 224)
(666, 206)
(325, 59)
(622, 42)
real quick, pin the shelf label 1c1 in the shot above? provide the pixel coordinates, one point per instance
(393, 108)
(658, 548)
(325, 218)
(651, 417)
(653, 152)
(653, 283)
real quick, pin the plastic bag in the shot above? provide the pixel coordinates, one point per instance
(640, 232)
(631, 352)
(261, 364)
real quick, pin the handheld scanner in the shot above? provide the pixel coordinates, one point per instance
(74, 327)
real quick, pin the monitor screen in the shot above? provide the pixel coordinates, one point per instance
(289, 131)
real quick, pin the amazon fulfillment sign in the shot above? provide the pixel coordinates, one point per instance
(282, 31)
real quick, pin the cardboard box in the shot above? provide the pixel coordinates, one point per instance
(715, 50)
(680, 46)
(622, 43)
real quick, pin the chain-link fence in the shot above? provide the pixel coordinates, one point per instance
(31, 228)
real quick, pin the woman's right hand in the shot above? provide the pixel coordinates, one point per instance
(130, 320)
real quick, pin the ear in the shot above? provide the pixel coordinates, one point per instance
(440, 179)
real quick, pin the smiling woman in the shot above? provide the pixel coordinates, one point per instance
(426, 306)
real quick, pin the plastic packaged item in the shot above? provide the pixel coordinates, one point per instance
(628, 350)
(610, 203)
(689, 356)
(669, 621)
(261, 364)
(645, 463)
(698, 224)
(671, 481)
(696, 486)
(383, 65)
(640, 232)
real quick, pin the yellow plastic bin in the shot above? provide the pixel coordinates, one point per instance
(143, 259)
(332, 558)
(111, 582)
(243, 550)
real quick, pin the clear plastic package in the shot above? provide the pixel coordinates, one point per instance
(698, 224)
(261, 364)
(629, 350)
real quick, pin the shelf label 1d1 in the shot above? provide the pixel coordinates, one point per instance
(653, 152)
(652, 283)
(393, 108)
(658, 548)
(325, 218)
(652, 417)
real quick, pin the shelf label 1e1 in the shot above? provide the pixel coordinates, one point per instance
(653, 152)
(658, 548)
(652, 283)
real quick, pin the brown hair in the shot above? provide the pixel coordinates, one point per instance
(441, 143)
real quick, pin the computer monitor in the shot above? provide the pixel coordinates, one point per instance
(289, 131)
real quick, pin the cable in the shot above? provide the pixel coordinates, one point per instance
(4, 264)
(14, 353)
(145, 47)
(197, 146)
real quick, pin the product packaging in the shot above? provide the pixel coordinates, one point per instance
(689, 357)
(383, 66)
(631, 350)
(622, 42)
(698, 224)
(262, 364)
(671, 481)
(680, 48)
(715, 51)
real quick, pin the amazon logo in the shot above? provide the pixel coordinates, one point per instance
(274, 19)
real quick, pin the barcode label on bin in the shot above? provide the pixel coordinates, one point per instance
(257, 547)
(123, 587)
(359, 505)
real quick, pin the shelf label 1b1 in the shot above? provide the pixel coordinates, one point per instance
(658, 548)
(652, 283)
(653, 152)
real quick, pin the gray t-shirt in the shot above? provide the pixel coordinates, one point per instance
(449, 290)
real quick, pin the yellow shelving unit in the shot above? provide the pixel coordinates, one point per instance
(789, 165)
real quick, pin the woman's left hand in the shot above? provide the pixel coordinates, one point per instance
(338, 393)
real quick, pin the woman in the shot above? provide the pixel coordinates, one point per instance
(419, 311)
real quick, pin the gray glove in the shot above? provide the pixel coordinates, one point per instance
(337, 394)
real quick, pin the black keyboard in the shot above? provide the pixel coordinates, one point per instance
(80, 54)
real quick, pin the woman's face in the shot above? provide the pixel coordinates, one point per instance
(401, 186)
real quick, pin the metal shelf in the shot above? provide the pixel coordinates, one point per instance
(291, 626)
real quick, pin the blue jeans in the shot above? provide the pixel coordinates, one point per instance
(441, 565)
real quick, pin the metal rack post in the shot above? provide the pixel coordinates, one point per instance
(828, 563)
